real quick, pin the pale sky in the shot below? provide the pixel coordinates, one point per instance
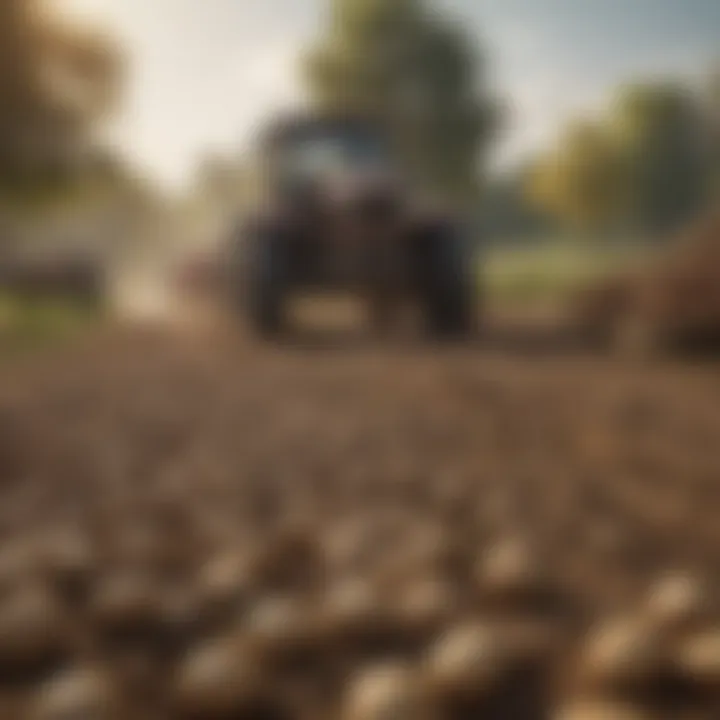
(203, 73)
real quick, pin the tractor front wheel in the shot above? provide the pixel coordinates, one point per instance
(265, 280)
(448, 286)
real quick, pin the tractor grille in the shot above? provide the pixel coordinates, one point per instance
(376, 208)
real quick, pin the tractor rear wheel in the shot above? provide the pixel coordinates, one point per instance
(448, 286)
(266, 280)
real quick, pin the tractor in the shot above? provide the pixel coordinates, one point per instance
(338, 214)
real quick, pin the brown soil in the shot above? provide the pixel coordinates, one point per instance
(159, 493)
(673, 302)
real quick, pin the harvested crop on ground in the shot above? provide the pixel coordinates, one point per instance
(672, 303)
(205, 528)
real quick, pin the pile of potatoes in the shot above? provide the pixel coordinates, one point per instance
(272, 629)
(671, 303)
(244, 535)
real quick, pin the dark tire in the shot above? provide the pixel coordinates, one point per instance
(265, 280)
(448, 286)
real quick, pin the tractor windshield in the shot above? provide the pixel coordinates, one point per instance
(324, 154)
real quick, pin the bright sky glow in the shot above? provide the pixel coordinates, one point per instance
(203, 73)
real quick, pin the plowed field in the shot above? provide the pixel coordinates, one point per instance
(202, 527)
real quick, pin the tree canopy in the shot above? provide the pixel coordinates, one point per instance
(418, 73)
(713, 106)
(56, 83)
(577, 181)
(661, 136)
(647, 164)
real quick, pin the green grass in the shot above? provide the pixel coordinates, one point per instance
(36, 324)
(551, 271)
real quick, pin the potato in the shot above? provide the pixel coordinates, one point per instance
(386, 692)
(70, 561)
(600, 710)
(220, 681)
(508, 568)
(466, 659)
(625, 652)
(351, 609)
(282, 632)
(424, 605)
(75, 694)
(291, 560)
(35, 632)
(226, 580)
(699, 658)
(127, 604)
(677, 601)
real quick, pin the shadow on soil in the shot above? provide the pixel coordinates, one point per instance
(524, 340)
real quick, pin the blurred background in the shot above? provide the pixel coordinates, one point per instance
(579, 139)
(200, 526)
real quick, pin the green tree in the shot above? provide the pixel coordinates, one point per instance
(420, 75)
(509, 215)
(577, 181)
(660, 135)
(56, 83)
(713, 104)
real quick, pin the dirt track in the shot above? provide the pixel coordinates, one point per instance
(187, 488)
